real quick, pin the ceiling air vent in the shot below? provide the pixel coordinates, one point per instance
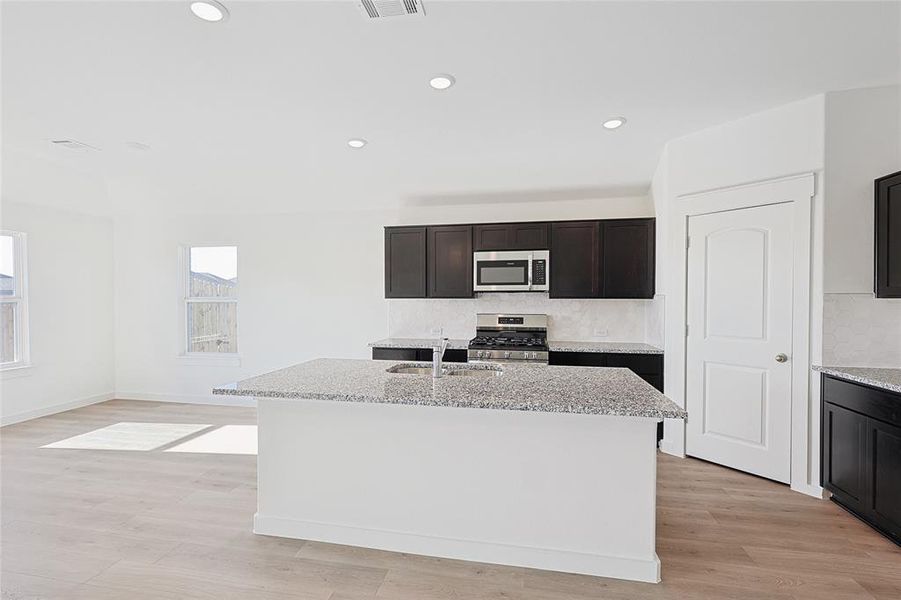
(383, 9)
(73, 145)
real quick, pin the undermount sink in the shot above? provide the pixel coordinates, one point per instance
(469, 371)
(481, 370)
(407, 370)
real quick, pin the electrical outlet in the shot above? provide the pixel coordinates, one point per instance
(600, 332)
(436, 331)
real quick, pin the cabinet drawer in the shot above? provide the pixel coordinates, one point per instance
(643, 364)
(394, 354)
(875, 403)
(450, 355)
(578, 359)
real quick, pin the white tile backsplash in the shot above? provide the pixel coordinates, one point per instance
(578, 320)
(861, 330)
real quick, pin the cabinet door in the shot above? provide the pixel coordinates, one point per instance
(888, 236)
(450, 261)
(627, 265)
(495, 236)
(844, 455)
(884, 458)
(575, 259)
(405, 262)
(510, 236)
(528, 236)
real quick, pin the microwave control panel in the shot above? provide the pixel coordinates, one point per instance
(539, 272)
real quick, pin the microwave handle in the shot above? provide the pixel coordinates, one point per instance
(530, 271)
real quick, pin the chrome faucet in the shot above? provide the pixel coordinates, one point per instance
(438, 356)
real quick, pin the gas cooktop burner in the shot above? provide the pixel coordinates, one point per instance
(510, 338)
(493, 341)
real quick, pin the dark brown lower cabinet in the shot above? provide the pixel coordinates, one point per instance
(417, 354)
(861, 452)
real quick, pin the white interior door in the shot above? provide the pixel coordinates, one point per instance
(738, 355)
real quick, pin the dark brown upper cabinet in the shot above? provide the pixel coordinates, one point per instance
(627, 258)
(450, 261)
(510, 236)
(575, 259)
(405, 262)
(589, 259)
(888, 236)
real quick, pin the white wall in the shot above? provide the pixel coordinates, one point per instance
(310, 285)
(70, 301)
(550, 206)
(783, 141)
(863, 142)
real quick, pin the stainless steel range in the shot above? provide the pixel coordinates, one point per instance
(509, 337)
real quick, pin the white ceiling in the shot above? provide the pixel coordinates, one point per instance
(252, 115)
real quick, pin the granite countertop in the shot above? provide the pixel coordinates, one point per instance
(396, 342)
(564, 346)
(885, 378)
(614, 347)
(541, 388)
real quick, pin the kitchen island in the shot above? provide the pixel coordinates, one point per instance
(529, 465)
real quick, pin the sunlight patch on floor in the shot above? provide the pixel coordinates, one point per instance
(228, 439)
(130, 436)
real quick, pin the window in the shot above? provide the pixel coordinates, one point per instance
(13, 301)
(211, 300)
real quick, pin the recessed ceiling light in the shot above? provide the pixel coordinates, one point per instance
(356, 143)
(614, 123)
(442, 82)
(209, 10)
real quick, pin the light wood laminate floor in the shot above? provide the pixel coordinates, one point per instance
(118, 524)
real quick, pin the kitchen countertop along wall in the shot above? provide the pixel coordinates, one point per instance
(560, 346)
(886, 379)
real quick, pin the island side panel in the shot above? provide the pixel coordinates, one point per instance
(557, 491)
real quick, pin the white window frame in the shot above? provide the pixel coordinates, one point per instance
(185, 300)
(20, 299)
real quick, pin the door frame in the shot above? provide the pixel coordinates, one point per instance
(799, 190)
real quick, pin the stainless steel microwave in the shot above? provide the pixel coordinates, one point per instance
(511, 271)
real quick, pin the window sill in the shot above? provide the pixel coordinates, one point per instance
(209, 360)
(14, 371)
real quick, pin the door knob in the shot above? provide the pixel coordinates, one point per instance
(781, 357)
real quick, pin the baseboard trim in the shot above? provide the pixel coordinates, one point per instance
(634, 569)
(28, 415)
(810, 490)
(672, 449)
(187, 398)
